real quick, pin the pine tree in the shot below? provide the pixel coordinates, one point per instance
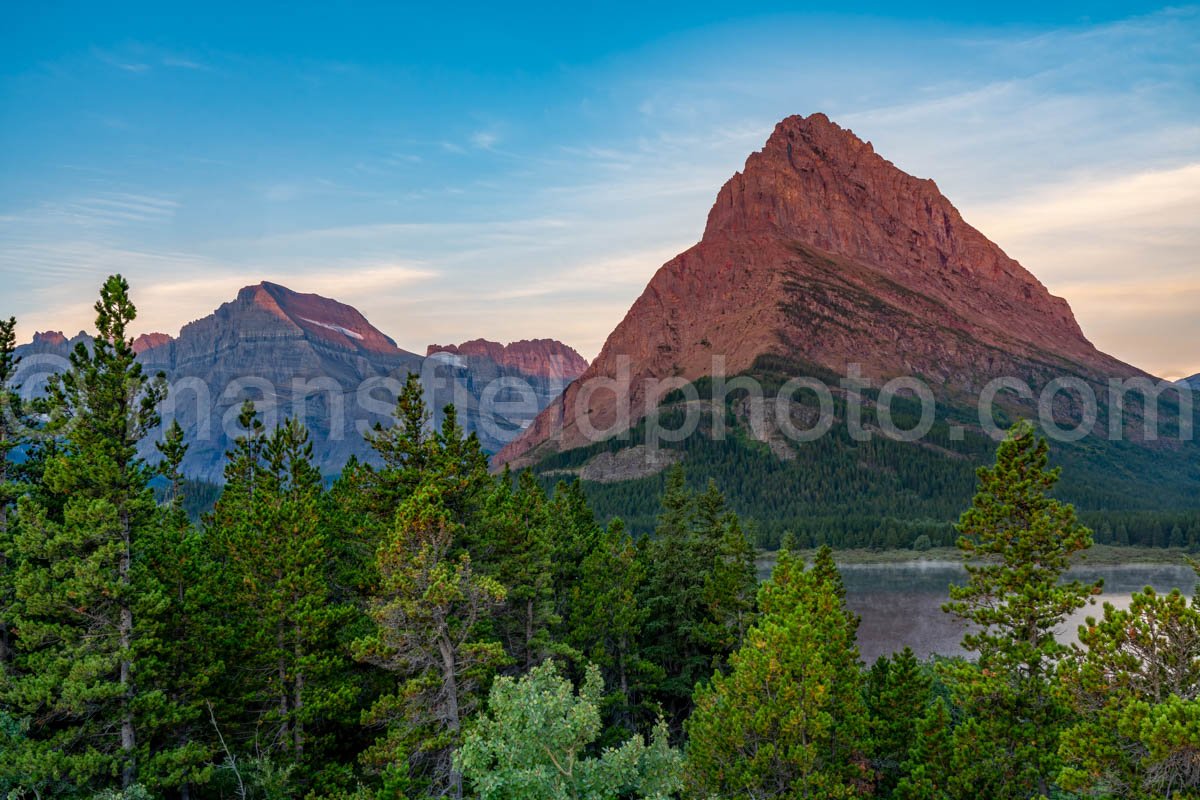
(573, 533)
(513, 547)
(74, 587)
(788, 720)
(10, 489)
(674, 600)
(605, 628)
(897, 693)
(926, 773)
(1018, 542)
(177, 662)
(405, 446)
(825, 568)
(698, 593)
(534, 742)
(1134, 682)
(731, 584)
(427, 612)
(267, 535)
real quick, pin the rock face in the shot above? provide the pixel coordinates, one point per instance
(50, 339)
(311, 357)
(149, 341)
(545, 358)
(499, 389)
(823, 252)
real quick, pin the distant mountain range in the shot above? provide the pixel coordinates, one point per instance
(316, 358)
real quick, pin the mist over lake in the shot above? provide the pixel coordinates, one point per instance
(901, 604)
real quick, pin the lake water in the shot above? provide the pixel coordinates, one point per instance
(901, 604)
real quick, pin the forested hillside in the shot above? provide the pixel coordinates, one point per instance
(886, 493)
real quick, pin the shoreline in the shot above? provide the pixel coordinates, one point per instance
(1101, 555)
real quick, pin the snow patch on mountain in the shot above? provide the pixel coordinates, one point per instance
(338, 328)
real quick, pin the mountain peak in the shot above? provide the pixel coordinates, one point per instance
(149, 341)
(820, 186)
(50, 338)
(822, 251)
(321, 317)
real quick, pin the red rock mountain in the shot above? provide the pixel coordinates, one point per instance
(149, 341)
(822, 251)
(333, 323)
(545, 358)
(49, 338)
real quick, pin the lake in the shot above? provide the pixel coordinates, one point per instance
(900, 604)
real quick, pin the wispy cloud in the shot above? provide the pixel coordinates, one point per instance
(182, 62)
(484, 140)
(120, 62)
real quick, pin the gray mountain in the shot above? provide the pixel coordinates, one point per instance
(311, 357)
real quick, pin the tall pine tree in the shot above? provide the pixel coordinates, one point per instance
(427, 611)
(1018, 543)
(177, 662)
(513, 547)
(273, 554)
(605, 629)
(698, 593)
(76, 677)
(10, 439)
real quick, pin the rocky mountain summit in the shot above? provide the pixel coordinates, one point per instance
(822, 252)
(149, 341)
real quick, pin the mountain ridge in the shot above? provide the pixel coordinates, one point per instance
(545, 357)
(305, 355)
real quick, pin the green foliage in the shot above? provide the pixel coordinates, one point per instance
(926, 773)
(699, 592)
(1018, 542)
(271, 583)
(10, 483)
(80, 603)
(898, 692)
(514, 548)
(177, 660)
(535, 742)
(605, 625)
(1134, 682)
(427, 613)
(788, 720)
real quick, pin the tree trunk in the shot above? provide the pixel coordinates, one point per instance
(3, 556)
(621, 671)
(529, 634)
(281, 674)
(450, 688)
(125, 630)
(298, 697)
(4, 651)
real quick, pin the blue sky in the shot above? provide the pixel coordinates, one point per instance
(474, 171)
